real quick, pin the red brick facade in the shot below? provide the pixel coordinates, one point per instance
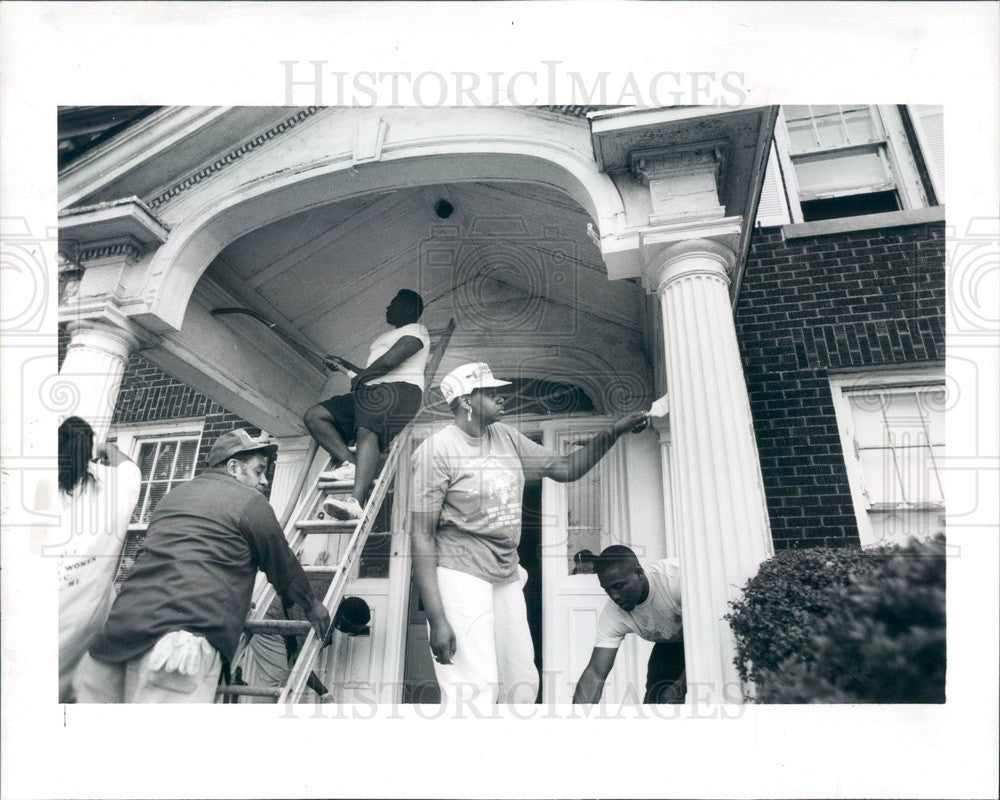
(812, 306)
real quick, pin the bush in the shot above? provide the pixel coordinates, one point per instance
(845, 626)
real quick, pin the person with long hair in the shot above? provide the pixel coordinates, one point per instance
(98, 487)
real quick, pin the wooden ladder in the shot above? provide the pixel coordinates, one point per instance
(265, 617)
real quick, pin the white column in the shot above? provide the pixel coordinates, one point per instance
(719, 509)
(92, 370)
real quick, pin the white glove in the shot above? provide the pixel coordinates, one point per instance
(181, 652)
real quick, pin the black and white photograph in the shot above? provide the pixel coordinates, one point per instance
(634, 410)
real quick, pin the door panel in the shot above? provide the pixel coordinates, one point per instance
(589, 515)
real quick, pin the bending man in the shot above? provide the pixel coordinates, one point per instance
(645, 600)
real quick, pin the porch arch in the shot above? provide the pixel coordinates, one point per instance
(220, 215)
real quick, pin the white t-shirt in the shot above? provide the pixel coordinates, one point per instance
(656, 619)
(411, 370)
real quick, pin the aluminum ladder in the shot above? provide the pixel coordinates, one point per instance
(303, 522)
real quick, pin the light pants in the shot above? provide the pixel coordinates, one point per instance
(135, 682)
(494, 658)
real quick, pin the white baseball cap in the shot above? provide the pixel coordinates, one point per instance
(462, 380)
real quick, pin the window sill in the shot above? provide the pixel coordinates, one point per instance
(890, 508)
(890, 219)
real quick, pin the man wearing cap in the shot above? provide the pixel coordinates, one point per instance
(180, 612)
(466, 492)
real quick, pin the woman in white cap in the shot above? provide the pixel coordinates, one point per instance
(467, 484)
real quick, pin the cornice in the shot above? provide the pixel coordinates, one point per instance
(233, 155)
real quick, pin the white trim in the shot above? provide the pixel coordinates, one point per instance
(127, 434)
(928, 124)
(784, 147)
(873, 379)
(900, 153)
(865, 222)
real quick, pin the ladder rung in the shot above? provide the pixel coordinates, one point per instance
(319, 570)
(326, 525)
(251, 691)
(327, 486)
(286, 627)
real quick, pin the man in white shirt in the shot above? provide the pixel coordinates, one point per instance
(385, 395)
(645, 600)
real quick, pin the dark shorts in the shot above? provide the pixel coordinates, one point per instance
(665, 674)
(382, 408)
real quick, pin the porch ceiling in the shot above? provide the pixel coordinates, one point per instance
(513, 265)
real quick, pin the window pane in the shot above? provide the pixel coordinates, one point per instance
(833, 174)
(830, 127)
(147, 454)
(897, 432)
(869, 425)
(186, 460)
(802, 136)
(137, 511)
(165, 461)
(879, 473)
(824, 127)
(932, 405)
(860, 125)
(584, 518)
(156, 492)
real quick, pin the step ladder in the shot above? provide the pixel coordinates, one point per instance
(306, 519)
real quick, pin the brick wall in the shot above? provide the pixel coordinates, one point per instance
(149, 395)
(812, 306)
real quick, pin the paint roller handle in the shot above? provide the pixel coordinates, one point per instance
(337, 363)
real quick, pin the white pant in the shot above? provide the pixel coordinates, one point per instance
(494, 660)
(136, 682)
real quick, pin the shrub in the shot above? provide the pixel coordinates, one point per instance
(845, 626)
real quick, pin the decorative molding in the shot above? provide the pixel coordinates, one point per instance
(127, 248)
(123, 227)
(367, 141)
(233, 156)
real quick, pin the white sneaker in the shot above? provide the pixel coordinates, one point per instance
(345, 472)
(343, 509)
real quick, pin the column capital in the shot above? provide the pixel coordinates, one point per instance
(103, 335)
(667, 263)
(107, 322)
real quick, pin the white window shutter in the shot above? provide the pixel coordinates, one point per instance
(928, 122)
(773, 208)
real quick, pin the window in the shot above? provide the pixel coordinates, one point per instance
(586, 531)
(164, 461)
(833, 161)
(892, 431)
(166, 455)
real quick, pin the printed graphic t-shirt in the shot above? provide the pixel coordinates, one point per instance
(657, 619)
(411, 370)
(477, 484)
